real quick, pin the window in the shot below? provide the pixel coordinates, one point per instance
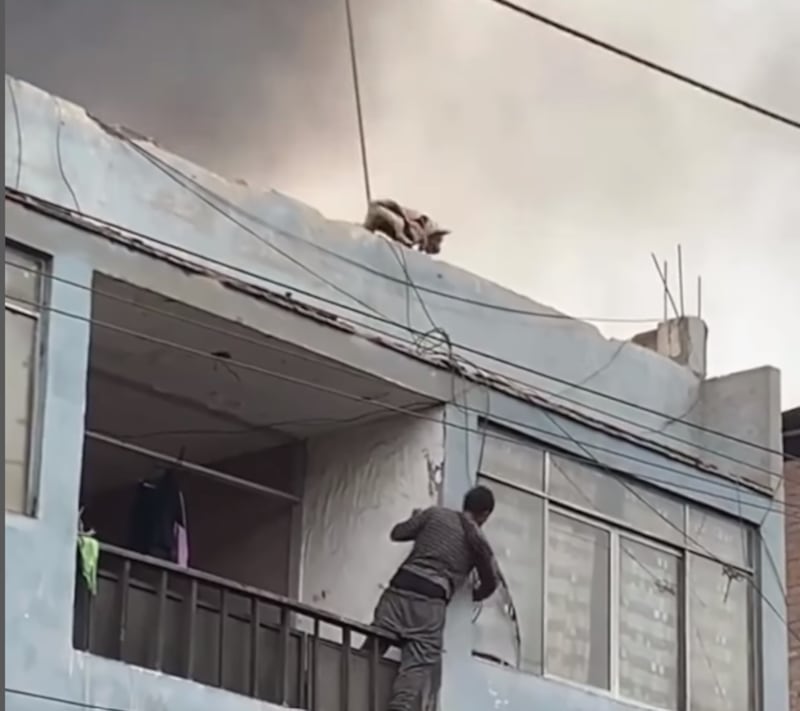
(578, 574)
(23, 301)
(616, 586)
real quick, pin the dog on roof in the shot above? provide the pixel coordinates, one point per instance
(410, 228)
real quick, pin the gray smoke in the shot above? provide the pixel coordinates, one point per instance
(558, 168)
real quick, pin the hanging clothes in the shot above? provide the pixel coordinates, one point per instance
(182, 535)
(159, 526)
(89, 552)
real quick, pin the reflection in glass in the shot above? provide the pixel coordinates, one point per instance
(578, 602)
(639, 506)
(513, 458)
(648, 624)
(720, 662)
(516, 535)
(724, 538)
(20, 337)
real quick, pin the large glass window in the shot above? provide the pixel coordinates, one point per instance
(616, 586)
(23, 303)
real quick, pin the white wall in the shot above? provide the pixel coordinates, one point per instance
(359, 483)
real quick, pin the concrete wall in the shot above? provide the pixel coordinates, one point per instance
(745, 406)
(40, 552)
(308, 255)
(359, 483)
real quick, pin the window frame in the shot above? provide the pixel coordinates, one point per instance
(36, 377)
(618, 528)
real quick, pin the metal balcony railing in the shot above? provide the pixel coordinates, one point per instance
(197, 626)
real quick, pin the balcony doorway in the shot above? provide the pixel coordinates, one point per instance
(217, 418)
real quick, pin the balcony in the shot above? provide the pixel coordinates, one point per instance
(198, 626)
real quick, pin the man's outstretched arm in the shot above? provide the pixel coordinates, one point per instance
(408, 530)
(486, 566)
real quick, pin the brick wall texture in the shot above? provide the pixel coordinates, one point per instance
(792, 482)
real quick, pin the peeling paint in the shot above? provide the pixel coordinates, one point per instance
(435, 475)
(358, 484)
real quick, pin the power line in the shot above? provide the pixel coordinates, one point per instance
(198, 190)
(670, 523)
(648, 64)
(657, 580)
(406, 411)
(61, 700)
(64, 214)
(357, 96)
(157, 163)
(302, 356)
(268, 346)
(18, 124)
(208, 196)
(396, 408)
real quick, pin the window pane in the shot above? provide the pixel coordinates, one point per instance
(648, 625)
(22, 277)
(515, 531)
(721, 536)
(590, 487)
(578, 602)
(20, 332)
(512, 458)
(719, 638)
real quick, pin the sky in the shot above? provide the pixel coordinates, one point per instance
(559, 168)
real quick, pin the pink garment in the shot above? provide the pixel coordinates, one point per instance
(182, 538)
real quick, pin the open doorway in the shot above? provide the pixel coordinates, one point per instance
(193, 481)
(224, 411)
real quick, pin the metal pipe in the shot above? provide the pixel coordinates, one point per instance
(161, 619)
(196, 468)
(255, 661)
(192, 627)
(680, 280)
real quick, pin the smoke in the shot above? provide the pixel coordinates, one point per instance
(243, 87)
(558, 167)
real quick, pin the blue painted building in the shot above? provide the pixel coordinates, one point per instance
(292, 370)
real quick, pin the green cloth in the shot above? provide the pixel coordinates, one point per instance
(89, 549)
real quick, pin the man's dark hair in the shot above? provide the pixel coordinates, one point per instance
(479, 500)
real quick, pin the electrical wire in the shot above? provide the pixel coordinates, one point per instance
(211, 198)
(61, 700)
(648, 64)
(582, 445)
(723, 484)
(562, 28)
(659, 582)
(18, 124)
(199, 194)
(726, 567)
(348, 10)
(391, 407)
(588, 406)
(597, 371)
(61, 170)
(171, 170)
(60, 213)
